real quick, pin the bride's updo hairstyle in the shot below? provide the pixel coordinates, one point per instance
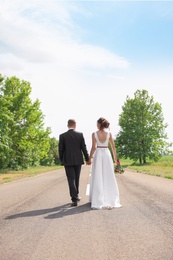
(103, 123)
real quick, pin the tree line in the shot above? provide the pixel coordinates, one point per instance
(25, 141)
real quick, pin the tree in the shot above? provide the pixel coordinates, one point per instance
(52, 156)
(23, 139)
(142, 135)
(5, 120)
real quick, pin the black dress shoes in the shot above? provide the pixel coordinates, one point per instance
(74, 204)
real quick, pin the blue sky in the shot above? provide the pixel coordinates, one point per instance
(135, 29)
(83, 58)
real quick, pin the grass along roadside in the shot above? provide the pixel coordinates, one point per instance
(162, 168)
(9, 175)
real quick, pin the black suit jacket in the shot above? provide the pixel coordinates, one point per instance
(71, 148)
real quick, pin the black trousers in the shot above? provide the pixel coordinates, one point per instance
(73, 175)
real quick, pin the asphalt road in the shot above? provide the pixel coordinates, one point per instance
(37, 222)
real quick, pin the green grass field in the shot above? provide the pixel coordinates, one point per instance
(8, 176)
(162, 168)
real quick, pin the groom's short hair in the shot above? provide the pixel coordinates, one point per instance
(71, 122)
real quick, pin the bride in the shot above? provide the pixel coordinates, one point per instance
(104, 191)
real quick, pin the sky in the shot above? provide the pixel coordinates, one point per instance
(83, 58)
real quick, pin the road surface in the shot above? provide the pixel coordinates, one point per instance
(37, 222)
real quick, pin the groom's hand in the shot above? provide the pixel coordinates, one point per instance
(88, 162)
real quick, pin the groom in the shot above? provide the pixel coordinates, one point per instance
(72, 147)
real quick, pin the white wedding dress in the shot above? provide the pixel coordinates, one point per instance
(104, 192)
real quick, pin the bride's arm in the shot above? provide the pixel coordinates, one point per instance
(113, 148)
(93, 148)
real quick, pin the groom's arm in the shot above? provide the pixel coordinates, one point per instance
(84, 148)
(61, 148)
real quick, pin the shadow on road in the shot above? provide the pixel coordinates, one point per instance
(59, 212)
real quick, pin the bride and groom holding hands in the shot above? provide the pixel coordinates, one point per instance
(104, 192)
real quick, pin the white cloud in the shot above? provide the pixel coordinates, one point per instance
(71, 78)
(43, 32)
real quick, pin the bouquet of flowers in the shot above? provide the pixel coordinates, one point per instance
(118, 167)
